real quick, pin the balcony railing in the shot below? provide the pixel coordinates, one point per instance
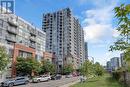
(10, 38)
(12, 30)
(32, 39)
(12, 22)
(33, 32)
(33, 46)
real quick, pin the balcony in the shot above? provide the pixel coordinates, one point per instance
(10, 38)
(12, 22)
(32, 39)
(12, 30)
(32, 46)
(33, 32)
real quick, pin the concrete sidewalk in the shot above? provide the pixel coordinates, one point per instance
(69, 84)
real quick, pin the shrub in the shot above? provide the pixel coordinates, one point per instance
(116, 75)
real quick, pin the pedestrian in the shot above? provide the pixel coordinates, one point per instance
(81, 78)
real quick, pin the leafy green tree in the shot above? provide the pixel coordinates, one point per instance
(87, 68)
(25, 66)
(122, 13)
(67, 69)
(4, 59)
(35, 65)
(98, 69)
(47, 67)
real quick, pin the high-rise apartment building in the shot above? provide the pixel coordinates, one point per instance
(64, 37)
(108, 66)
(21, 39)
(86, 50)
(114, 63)
(122, 60)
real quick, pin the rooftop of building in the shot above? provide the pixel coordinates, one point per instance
(8, 15)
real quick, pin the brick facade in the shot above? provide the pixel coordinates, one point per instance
(49, 56)
(17, 48)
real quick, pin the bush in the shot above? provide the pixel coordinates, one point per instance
(25, 66)
(67, 69)
(98, 69)
(116, 75)
(47, 67)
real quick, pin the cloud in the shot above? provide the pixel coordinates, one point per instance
(98, 22)
(107, 56)
(94, 32)
(115, 33)
(98, 28)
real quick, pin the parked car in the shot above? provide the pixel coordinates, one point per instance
(68, 76)
(56, 77)
(46, 76)
(49, 77)
(41, 78)
(15, 81)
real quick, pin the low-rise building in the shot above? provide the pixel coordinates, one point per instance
(20, 38)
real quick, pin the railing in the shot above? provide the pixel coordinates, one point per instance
(33, 32)
(33, 46)
(12, 30)
(10, 38)
(12, 22)
(32, 38)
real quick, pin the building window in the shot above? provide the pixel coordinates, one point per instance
(10, 43)
(25, 54)
(1, 23)
(11, 52)
(0, 32)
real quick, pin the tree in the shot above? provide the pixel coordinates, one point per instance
(25, 66)
(98, 69)
(122, 13)
(47, 67)
(4, 59)
(35, 65)
(67, 69)
(87, 68)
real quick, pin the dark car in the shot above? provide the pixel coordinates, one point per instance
(56, 77)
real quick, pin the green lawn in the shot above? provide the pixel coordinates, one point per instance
(104, 81)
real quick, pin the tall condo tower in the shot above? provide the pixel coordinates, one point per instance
(64, 38)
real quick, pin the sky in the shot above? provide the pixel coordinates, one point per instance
(95, 16)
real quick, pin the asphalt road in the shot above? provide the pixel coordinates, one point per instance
(51, 83)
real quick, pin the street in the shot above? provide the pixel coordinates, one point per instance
(51, 83)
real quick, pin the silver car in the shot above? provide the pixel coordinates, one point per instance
(15, 81)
